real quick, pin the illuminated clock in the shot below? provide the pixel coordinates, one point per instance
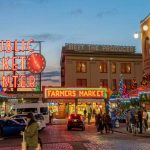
(36, 63)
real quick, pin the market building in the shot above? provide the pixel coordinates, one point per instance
(96, 66)
(85, 65)
(145, 39)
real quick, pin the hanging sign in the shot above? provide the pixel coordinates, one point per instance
(15, 59)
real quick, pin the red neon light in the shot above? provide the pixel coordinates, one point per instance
(5, 81)
(5, 63)
(28, 46)
(23, 58)
(23, 81)
(32, 81)
(14, 65)
(8, 46)
(2, 46)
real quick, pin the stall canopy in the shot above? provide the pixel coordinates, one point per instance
(139, 90)
(4, 95)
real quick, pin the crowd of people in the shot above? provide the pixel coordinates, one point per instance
(103, 122)
(137, 121)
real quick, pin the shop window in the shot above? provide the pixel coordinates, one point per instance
(104, 83)
(103, 67)
(127, 83)
(113, 67)
(81, 67)
(81, 82)
(114, 84)
(125, 68)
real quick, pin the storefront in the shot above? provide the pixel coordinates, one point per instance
(5, 103)
(65, 101)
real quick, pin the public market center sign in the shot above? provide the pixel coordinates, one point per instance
(62, 93)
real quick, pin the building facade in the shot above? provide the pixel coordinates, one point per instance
(84, 65)
(145, 38)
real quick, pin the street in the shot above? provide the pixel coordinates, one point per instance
(56, 137)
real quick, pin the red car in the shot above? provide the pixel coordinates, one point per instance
(75, 121)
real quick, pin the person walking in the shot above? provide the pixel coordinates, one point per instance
(128, 116)
(99, 123)
(50, 116)
(145, 119)
(85, 113)
(31, 133)
(105, 122)
(140, 120)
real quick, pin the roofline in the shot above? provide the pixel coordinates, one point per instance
(145, 19)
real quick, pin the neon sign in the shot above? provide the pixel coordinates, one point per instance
(20, 62)
(75, 93)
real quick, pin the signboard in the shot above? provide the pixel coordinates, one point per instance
(20, 56)
(101, 48)
(54, 93)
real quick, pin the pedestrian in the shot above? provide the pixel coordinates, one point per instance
(128, 116)
(100, 123)
(89, 117)
(94, 112)
(109, 123)
(140, 120)
(105, 122)
(85, 113)
(145, 119)
(31, 133)
(50, 116)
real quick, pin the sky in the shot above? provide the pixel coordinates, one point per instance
(56, 22)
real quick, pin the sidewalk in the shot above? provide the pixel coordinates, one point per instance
(122, 129)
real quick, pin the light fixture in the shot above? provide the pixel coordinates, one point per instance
(136, 35)
(145, 27)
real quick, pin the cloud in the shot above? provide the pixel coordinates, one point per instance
(45, 37)
(52, 80)
(111, 12)
(76, 12)
(50, 74)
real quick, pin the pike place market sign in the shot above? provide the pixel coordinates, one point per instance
(62, 93)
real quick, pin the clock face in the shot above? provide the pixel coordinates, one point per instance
(36, 63)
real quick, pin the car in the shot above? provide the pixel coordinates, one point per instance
(38, 117)
(10, 127)
(75, 121)
(40, 120)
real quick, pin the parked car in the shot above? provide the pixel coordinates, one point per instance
(38, 117)
(11, 127)
(40, 120)
(75, 121)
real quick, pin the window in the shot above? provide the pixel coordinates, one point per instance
(114, 84)
(147, 47)
(104, 83)
(113, 68)
(44, 110)
(103, 68)
(81, 82)
(125, 68)
(127, 83)
(81, 67)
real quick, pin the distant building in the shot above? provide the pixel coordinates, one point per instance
(145, 37)
(85, 65)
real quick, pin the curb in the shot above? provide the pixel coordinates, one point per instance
(139, 135)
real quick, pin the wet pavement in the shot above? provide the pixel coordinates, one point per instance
(56, 137)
